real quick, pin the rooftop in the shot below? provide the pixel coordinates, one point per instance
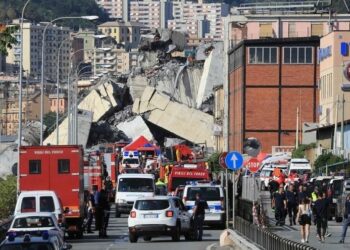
(120, 24)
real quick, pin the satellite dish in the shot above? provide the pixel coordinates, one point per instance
(252, 146)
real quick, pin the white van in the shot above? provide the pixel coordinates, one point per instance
(39, 201)
(130, 159)
(131, 187)
(300, 166)
(213, 195)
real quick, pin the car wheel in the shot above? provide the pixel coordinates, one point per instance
(188, 236)
(117, 213)
(147, 238)
(176, 233)
(132, 238)
(338, 219)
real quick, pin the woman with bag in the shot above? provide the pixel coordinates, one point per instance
(304, 219)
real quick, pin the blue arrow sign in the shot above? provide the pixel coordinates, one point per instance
(234, 160)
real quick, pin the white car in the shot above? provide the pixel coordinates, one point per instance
(43, 221)
(158, 216)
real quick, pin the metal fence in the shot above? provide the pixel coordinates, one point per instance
(265, 238)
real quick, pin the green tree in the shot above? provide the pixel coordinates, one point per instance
(7, 39)
(327, 159)
(7, 196)
(49, 119)
(300, 151)
(213, 163)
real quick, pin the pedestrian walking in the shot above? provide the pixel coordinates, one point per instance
(304, 219)
(320, 208)
(292, 204)
(104, 208)
(199, 215)
(302, 194)
(280, 204)
(346, 222)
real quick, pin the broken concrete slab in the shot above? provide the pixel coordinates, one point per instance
(85, 118)
(135, 127)
(188, 123)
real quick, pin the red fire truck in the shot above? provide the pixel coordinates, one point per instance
(176, 175)
(60, 169)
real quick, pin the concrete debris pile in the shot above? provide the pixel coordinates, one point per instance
(188, 123)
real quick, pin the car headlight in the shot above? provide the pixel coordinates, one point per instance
(121, 201)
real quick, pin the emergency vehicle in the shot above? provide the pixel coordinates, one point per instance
(59, 169)
(180, 174)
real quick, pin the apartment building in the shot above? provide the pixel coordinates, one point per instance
(149, 13)
(124, 33)
(270, 80)
(30, 111)
(192, 17)
(32, 47)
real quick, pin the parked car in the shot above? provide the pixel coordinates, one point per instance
(158, 216)
(44, 221)
(34, 240)
(39, 201)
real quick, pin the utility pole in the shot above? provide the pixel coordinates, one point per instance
(342, 126)
(297, 130)
(335, 126)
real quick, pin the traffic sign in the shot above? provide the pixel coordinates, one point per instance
(222, 160)
(234, 160)
(253, 165)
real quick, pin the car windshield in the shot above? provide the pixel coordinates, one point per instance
(135, 185)
(33, 221)
(131, 161)
(207, 193)
(131, 170)
(28, 246)
(151, 204)
(301, 171)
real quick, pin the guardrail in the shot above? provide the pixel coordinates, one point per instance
(265, 238)
(4, 226)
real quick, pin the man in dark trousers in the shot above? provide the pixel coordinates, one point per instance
(321, 215)
(104, 207)
(199, 215)
(280, 204)
(292, 204)
(346, 218)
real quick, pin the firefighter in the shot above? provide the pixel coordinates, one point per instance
(161, 187)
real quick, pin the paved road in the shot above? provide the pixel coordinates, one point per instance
(118, 239)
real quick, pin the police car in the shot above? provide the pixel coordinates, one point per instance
(34, 240)
(213, 194)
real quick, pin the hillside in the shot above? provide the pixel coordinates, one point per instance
(46, 10)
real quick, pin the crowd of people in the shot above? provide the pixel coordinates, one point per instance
(305, 205)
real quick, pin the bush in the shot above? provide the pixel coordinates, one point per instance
(300, 151)
(7, 196)
(327, 159)
(213, 163)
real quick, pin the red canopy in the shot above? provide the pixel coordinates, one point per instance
(138, 143)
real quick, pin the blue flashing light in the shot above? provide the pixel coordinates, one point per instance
(11, 236)
(45, 235)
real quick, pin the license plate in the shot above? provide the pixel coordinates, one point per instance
(150, 216)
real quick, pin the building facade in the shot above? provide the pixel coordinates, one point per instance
(30, 112)
(125, 33)
(61, 104)
(32, 47)
(269, 81)
(259, 26)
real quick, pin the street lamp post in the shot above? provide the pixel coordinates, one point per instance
(20, 97)
(42, 67)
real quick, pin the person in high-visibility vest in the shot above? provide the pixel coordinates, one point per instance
(161, 187)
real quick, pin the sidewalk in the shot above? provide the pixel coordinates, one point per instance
(293, 233)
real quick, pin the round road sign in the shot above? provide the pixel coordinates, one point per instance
(222, 160)
(253, 165)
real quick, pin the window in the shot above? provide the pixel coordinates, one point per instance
(317, 29)
(28, 205)
(34, 166)
(266, 30)
(46, 204)
(63, 166)
(152, 204)
(297, 55)
(292, 30)
(267, 55)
